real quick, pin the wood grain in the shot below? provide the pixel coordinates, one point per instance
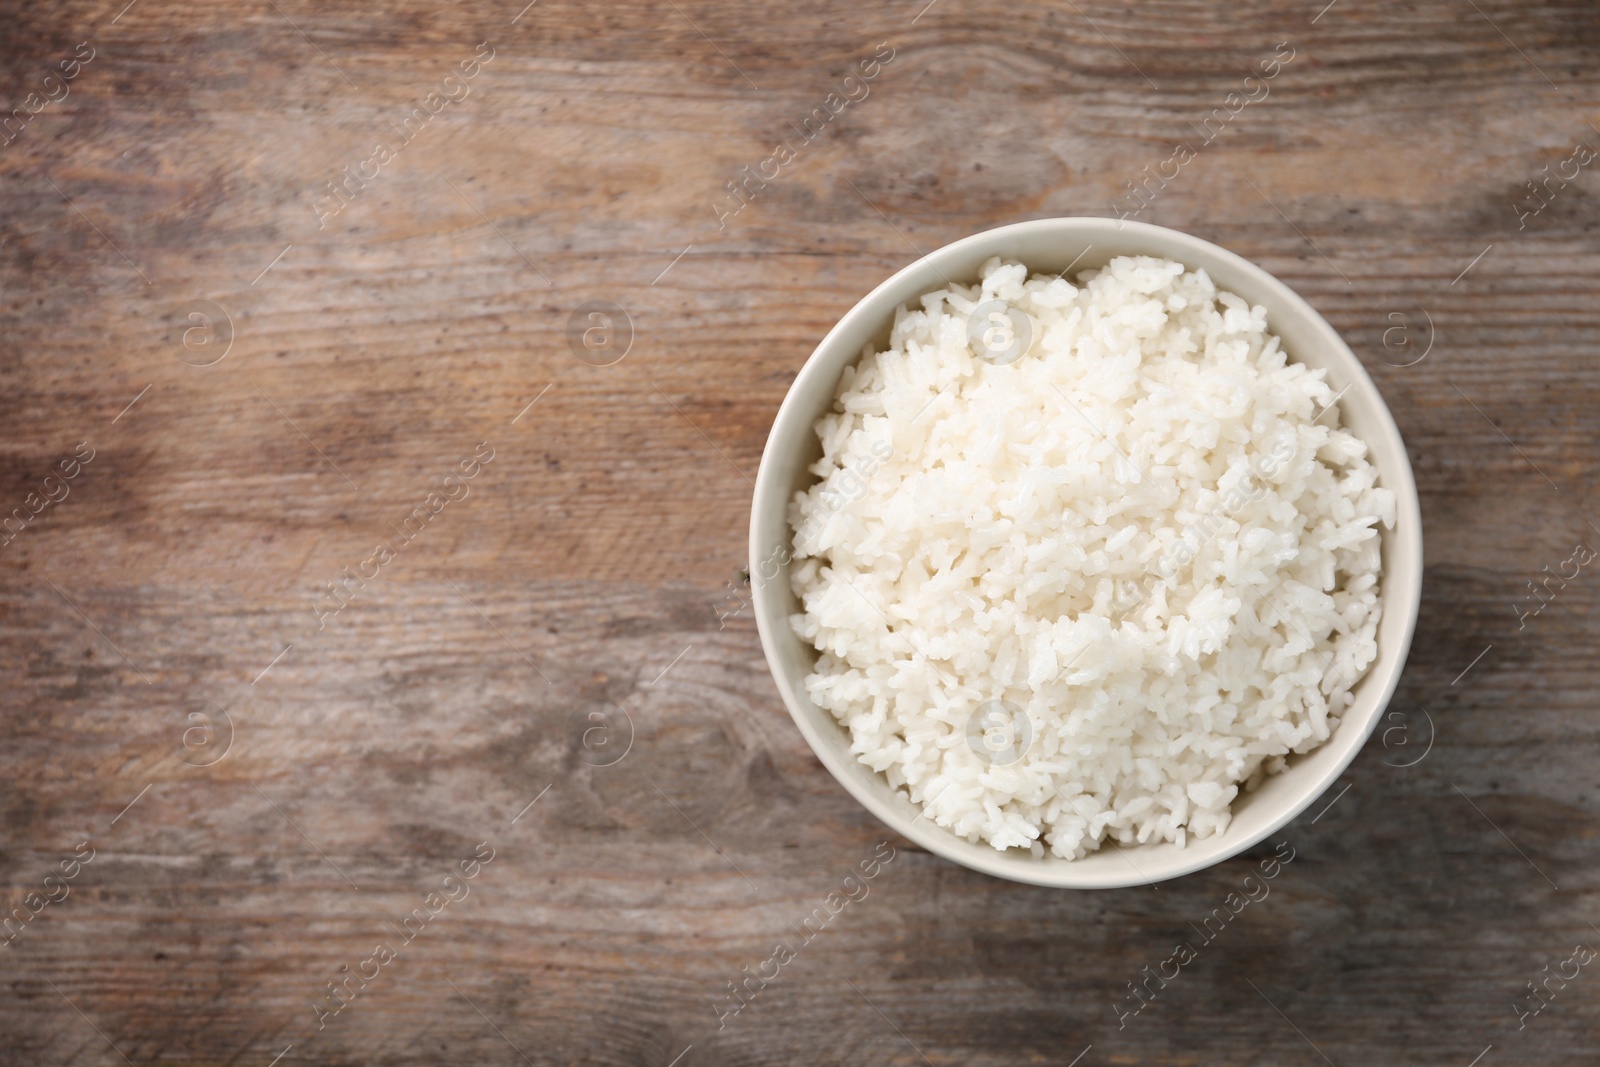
(577, 586)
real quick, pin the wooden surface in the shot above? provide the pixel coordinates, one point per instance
(569, 603)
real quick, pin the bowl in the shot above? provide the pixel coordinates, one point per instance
(1052, 246)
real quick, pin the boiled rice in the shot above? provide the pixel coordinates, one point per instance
(1085, 586)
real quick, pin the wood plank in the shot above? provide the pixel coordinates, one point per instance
(578, 584)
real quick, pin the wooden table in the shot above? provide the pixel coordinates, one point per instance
(276, 742)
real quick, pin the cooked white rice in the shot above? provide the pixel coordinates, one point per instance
(1086, 594)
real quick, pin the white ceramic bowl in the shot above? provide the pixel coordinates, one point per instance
(1051, 245)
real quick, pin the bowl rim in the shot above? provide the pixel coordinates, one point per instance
(1402, 580)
